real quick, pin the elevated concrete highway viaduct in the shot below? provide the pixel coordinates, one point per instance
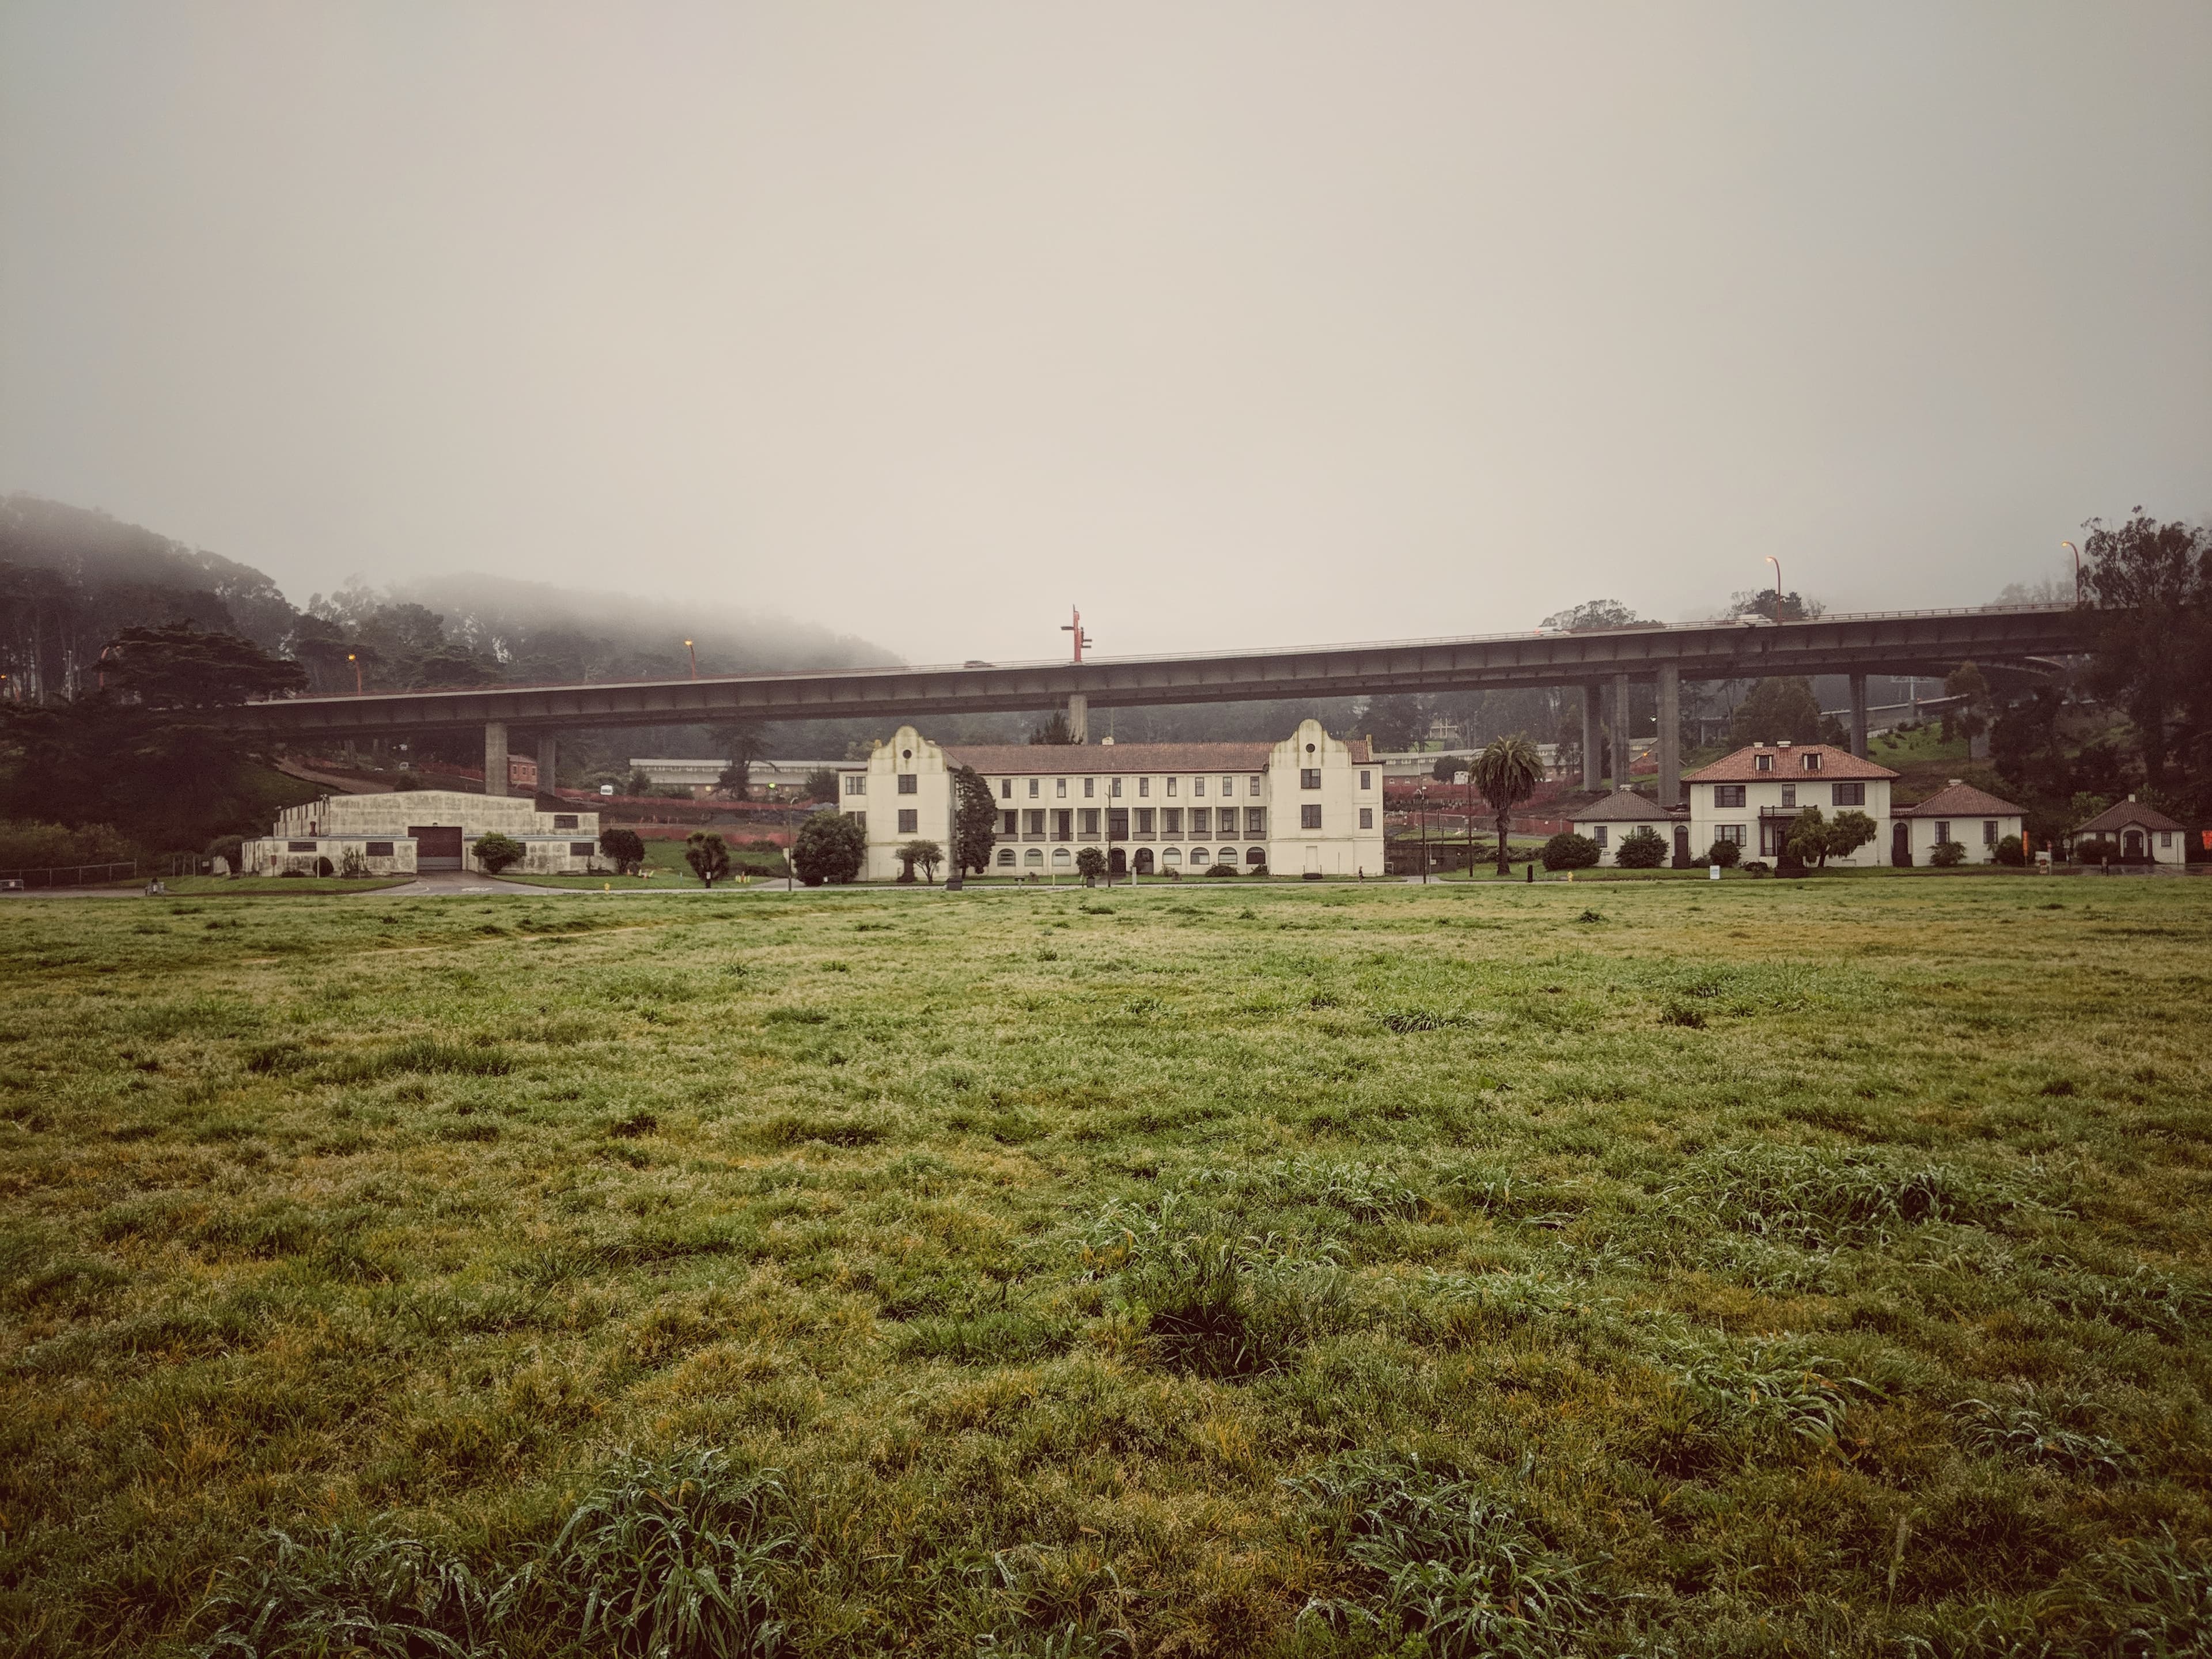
(1894, 642)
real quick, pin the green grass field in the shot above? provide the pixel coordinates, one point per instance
(1754, 1267)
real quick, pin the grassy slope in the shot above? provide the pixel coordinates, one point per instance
(1037, 1239)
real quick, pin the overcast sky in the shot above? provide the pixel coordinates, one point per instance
(1236, 324)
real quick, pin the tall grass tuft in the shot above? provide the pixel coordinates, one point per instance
(1443, 1563)
(663, 1556)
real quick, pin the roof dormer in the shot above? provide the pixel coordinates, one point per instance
(1764, 763)
(1811, 759)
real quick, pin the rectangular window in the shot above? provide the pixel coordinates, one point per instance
(909, 784)
(1063, 823)
(299, 847)
(856, 783)
(1144, 824)
(1060, 788)
(1144, 788)
(1811, 759)
(1034, 785)
(1989, 832)
(1090, 821)
(1117, 823)
(1171, 819)
(1366, 780)
(1366, 817)
(1171, 784)
(860, 819)
(1228, 787)
(1597, 834)
(1309, 816)
(909, 820)
(380, 849)
(1197, 788)
(1033, 823)
(1202, 820)
(1255, 791)
(1010, 823)
(1727, 794)
(579, 849)
(1732, 833)
(1091, 789)
(1006, 788)
(1942, 829)
(1309, 777)
(2164, 839)
(1113, 789)
(1255, 820)
(1789, 794)
(1849, 794)
(564, 820)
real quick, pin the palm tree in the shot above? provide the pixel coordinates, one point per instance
(1507, 773)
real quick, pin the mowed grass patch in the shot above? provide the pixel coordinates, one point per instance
(1739, 1267)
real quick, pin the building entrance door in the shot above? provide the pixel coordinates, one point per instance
(1900, 845)
(1117, 863)
(437, 846)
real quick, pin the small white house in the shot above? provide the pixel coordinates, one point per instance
(1610, 819)
(1959, 812)
(2131, 833)
(1751, 796)
(419, 829)
(1311, 805)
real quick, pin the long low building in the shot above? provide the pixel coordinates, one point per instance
(420, 830)
(1311, 805)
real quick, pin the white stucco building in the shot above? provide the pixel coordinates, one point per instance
(1751, 796)
(420, 829)
(1611, 818)
(1973, 817)
(1311, 805)
(2130, 832)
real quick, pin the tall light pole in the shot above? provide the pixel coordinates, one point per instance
(1421, 809)
(1777, 563)
(356, 661)
(695, 658)
(2076, 552)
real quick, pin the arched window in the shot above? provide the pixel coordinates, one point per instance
(1172, 856)
(1007, 857)
(1200, 856)
(1034, 856)
(1255, 855)
(1061, 855)
(1227, 855)
(1144, 860)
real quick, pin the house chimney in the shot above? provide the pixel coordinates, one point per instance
(1107, 742)
(2131, 797)
(1783, 743)
(1955, 782)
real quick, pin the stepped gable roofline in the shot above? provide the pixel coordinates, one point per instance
(1064, 760)
(1959, 799)
(2130, 814)
(1623, 806)
(1788, 765)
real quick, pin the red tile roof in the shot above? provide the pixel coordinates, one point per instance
(1787, 764)
(1959, 801)
(2127, 814)
(1622, 806)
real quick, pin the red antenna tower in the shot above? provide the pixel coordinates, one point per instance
(1075, 627)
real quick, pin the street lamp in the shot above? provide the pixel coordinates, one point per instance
(1777, 563)
(356, 661)
(695, 658)
(1421, 810)
(2076, 552)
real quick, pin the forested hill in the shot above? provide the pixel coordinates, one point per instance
(70, 578)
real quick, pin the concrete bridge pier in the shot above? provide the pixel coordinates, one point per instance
(494, 757)
(1859, 715)
(1670, 736)
(1620, 731)
(1593, 694)
(549, 762)
(1078, 717)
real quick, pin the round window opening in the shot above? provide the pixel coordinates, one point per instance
(906, 754)
(1309, 749)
